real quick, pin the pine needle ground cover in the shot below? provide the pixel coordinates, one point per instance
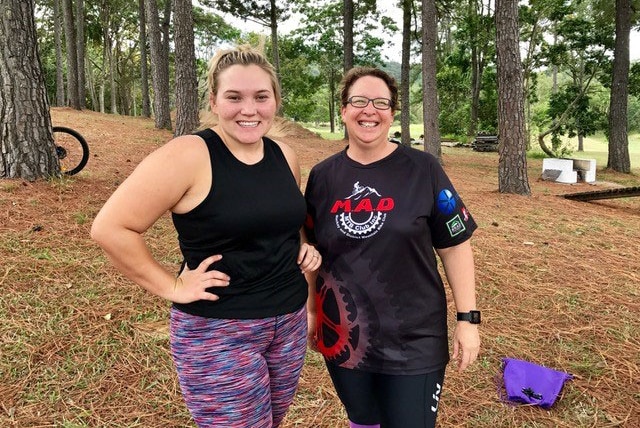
(80, 346)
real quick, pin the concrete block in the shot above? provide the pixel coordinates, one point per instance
(565, 166)
(586, 169)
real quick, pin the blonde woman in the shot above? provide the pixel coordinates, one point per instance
(238, 322)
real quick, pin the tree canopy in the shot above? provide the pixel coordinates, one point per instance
(567, 52)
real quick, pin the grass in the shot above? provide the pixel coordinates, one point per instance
(81, 346)
(595, 147)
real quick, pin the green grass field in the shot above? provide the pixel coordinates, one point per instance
(595, 146)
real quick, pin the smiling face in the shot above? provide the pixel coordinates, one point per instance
(368, 125)
(245, 104)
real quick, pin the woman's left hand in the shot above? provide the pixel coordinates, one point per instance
(309, 259)
(466, 344)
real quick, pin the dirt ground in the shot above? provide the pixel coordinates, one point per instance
(558, 283)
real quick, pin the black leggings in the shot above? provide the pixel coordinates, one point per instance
(393, 401)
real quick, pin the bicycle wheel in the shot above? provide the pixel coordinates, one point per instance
(71, 148)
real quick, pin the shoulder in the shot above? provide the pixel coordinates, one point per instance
(186, 143)
(181, 154)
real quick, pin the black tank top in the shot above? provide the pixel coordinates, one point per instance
(252, 216)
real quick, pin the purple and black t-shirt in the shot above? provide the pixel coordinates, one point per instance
(380, 300)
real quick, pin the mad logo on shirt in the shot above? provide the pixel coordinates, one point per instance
(363, 213)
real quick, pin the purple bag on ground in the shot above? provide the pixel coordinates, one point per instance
(530, 383)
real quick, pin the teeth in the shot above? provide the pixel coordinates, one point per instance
(368, 124)
(249, 124)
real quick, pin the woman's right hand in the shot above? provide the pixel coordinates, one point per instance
(191, 285)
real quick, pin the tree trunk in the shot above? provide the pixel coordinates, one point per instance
(512, 165)
(80, 47)
(618, 136)
(273, 25)
(91, 88)
(106, 53)
(72, 54)
(405, 112)
(431, 109)
(102, 108)
(187, 119)
(332, 100)
(26, 139)
(57, 34)
(348, 43)
(159, 67)
(475, 70)
(166, 29)
(110, 63)
(348, 35)
(114, 55)
(144, 71)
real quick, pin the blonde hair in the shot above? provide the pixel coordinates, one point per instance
(241, 55)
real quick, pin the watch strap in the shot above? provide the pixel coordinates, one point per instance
(472, 316)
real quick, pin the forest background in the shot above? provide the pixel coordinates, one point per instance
(566, 49)
(557, 280)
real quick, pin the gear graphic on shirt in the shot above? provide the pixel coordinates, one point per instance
(340, 338)
(353, 228)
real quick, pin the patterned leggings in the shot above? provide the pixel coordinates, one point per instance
(238, 373)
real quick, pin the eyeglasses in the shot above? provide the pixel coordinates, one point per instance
(362, 102)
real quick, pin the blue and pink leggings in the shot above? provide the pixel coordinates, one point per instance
(238, 373)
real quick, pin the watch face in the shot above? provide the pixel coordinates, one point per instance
(475, 317)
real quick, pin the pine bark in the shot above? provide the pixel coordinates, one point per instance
(187, 119)
(80, 52)
(159, 67)
(348, 35)
(144, 70)
(431, 109)
(72, 54)
(273, 25)
(26, 141)
(405, 113)
(618, 136)
(57, 36)
(512, 165)
(347, 57)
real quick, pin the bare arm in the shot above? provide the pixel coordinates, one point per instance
(168, 179)
(460, 272)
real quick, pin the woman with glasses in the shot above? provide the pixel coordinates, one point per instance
(378, 310)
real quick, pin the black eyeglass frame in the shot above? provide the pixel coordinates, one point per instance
(370, 100)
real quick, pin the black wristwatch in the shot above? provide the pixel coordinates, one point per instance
(472, 316)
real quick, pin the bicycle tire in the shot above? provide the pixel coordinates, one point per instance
(72, 150)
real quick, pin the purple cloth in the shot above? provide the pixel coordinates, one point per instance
(530, 383)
